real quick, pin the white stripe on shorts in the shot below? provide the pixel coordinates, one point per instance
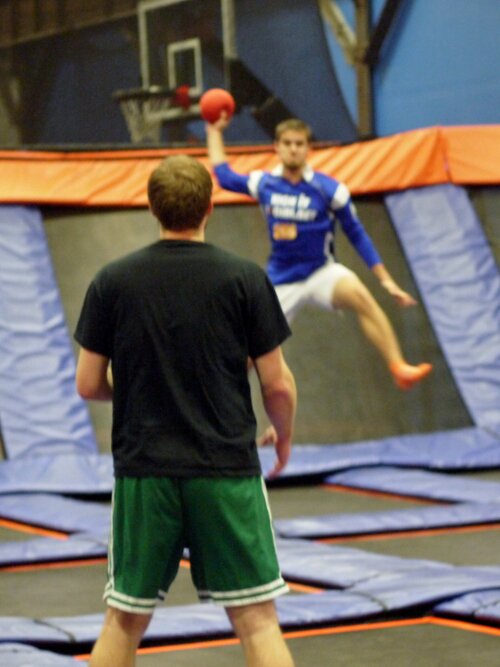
(244, 596)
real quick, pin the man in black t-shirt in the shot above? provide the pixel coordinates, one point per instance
(178, 321)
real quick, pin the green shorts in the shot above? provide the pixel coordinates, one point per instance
(224, 522)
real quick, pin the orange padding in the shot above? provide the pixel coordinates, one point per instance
(462, 155)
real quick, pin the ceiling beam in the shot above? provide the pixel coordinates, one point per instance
(21, 23)
(332, 14)
(361, 48)
(380, 31)
(363, 69)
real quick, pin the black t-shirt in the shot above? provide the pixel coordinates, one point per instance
(179, 319)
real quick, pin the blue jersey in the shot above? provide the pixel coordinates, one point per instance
(301, 219)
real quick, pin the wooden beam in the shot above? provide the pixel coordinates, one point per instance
(39, 23)
(332, 14)
(363, 70)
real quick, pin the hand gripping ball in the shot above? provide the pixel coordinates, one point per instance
(213, 102)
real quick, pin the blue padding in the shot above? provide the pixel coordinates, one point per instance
(396, 592)
(80, 546)
(40, 411)
(326, 607)
(459, 281)
(376, 597)
(461, 449)
(206, 621)
(377, 585)
(395, 583)
(330, 566)
(47, 550)
(419, 484)
(15, 629)
(66, 473)
(481, 606)
(50, 511)
(420, 518)
(94, 542)
(21, 655)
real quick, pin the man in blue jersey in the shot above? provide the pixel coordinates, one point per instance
(301, 207)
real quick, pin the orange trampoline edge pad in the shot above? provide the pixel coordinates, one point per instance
(468, 155)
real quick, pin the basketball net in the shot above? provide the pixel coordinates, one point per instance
(146, 109)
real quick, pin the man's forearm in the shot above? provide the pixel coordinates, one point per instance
(94, 379)
(280, 403)
(390, 285)
(382, 273)
(215, 145)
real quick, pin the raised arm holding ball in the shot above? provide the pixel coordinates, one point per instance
(302, 208)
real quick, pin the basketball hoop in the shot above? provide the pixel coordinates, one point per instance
(146, 109)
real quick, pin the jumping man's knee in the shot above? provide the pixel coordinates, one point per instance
(352, 294)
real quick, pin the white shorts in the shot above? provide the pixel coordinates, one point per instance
(317, 290)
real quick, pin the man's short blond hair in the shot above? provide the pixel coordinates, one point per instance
(294, 124)
(180, 192)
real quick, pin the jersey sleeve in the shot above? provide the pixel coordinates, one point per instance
(94, 331)
(345, 212)
(267, 327)
(229, 179)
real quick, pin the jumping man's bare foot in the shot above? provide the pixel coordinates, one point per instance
(405, 375)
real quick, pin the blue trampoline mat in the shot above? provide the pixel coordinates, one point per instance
(88, 522)
(373, 586)
(47, 550)
(93, 544)
(196, 621)
(372, 523)
(331, 566)
(418, 484)
(202, 621)
(480, 606)
(462, 449)
(55, 512)
(22, 655)
(72, 474)
(395, 583)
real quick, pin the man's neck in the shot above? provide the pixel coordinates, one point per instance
(293, 175)
(196, 235)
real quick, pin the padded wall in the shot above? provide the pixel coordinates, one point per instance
(459, 281)
(40, 411)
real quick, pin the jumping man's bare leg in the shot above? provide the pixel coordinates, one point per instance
(258, 630)
(351, 294)
(120, 637)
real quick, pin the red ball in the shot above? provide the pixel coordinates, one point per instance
(213, 102)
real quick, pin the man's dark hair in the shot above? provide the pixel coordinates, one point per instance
(179, 193)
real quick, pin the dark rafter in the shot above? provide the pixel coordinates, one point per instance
(38, 19)
(380, 32)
